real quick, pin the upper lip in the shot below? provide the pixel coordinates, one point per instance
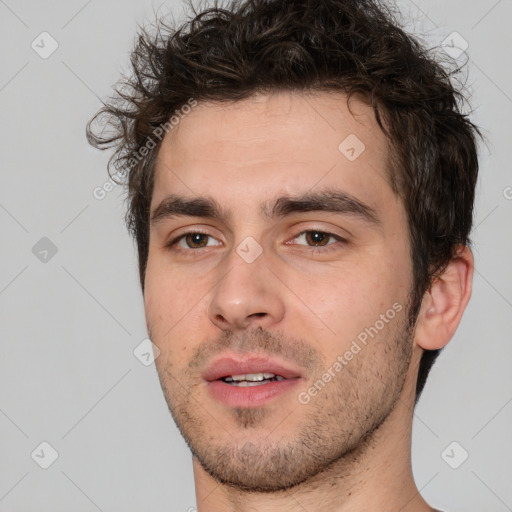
(232, 365)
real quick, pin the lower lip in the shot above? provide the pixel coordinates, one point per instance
(250, 396)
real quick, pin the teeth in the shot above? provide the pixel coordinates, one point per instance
(252, 377)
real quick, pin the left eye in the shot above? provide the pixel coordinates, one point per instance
(316, 238)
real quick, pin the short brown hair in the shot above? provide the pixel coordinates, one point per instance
(351, 46)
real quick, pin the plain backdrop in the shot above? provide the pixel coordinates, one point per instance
(71, 311)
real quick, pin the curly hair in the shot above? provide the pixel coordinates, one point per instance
(228, 53)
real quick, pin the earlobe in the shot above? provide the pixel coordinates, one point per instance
(445, 301)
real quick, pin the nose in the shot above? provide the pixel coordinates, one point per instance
(248, 295)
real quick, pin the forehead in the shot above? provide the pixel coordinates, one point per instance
(285, 140)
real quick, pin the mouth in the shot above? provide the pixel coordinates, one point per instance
(250, 381)
(250, 369)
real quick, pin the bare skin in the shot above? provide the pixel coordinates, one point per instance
(321, 279)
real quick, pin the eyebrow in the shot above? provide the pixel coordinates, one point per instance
(328, 200)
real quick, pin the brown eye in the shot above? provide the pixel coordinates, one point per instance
(187, 242)
(195, 240)
(312, 238)
(317, 237)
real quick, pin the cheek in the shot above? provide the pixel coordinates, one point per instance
(350, 298)
(172, 301)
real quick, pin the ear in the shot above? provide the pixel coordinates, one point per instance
(445, 301)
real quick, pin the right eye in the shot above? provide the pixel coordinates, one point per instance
(192, 240)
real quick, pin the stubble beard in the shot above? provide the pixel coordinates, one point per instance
(336, 428)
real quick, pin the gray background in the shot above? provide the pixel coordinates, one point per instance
(70, 323)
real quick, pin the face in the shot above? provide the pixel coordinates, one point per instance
(277, 247)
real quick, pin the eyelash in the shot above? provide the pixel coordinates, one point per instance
(314, 248)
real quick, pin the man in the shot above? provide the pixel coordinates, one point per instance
(301, 184)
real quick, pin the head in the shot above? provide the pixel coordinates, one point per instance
(262, 91)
